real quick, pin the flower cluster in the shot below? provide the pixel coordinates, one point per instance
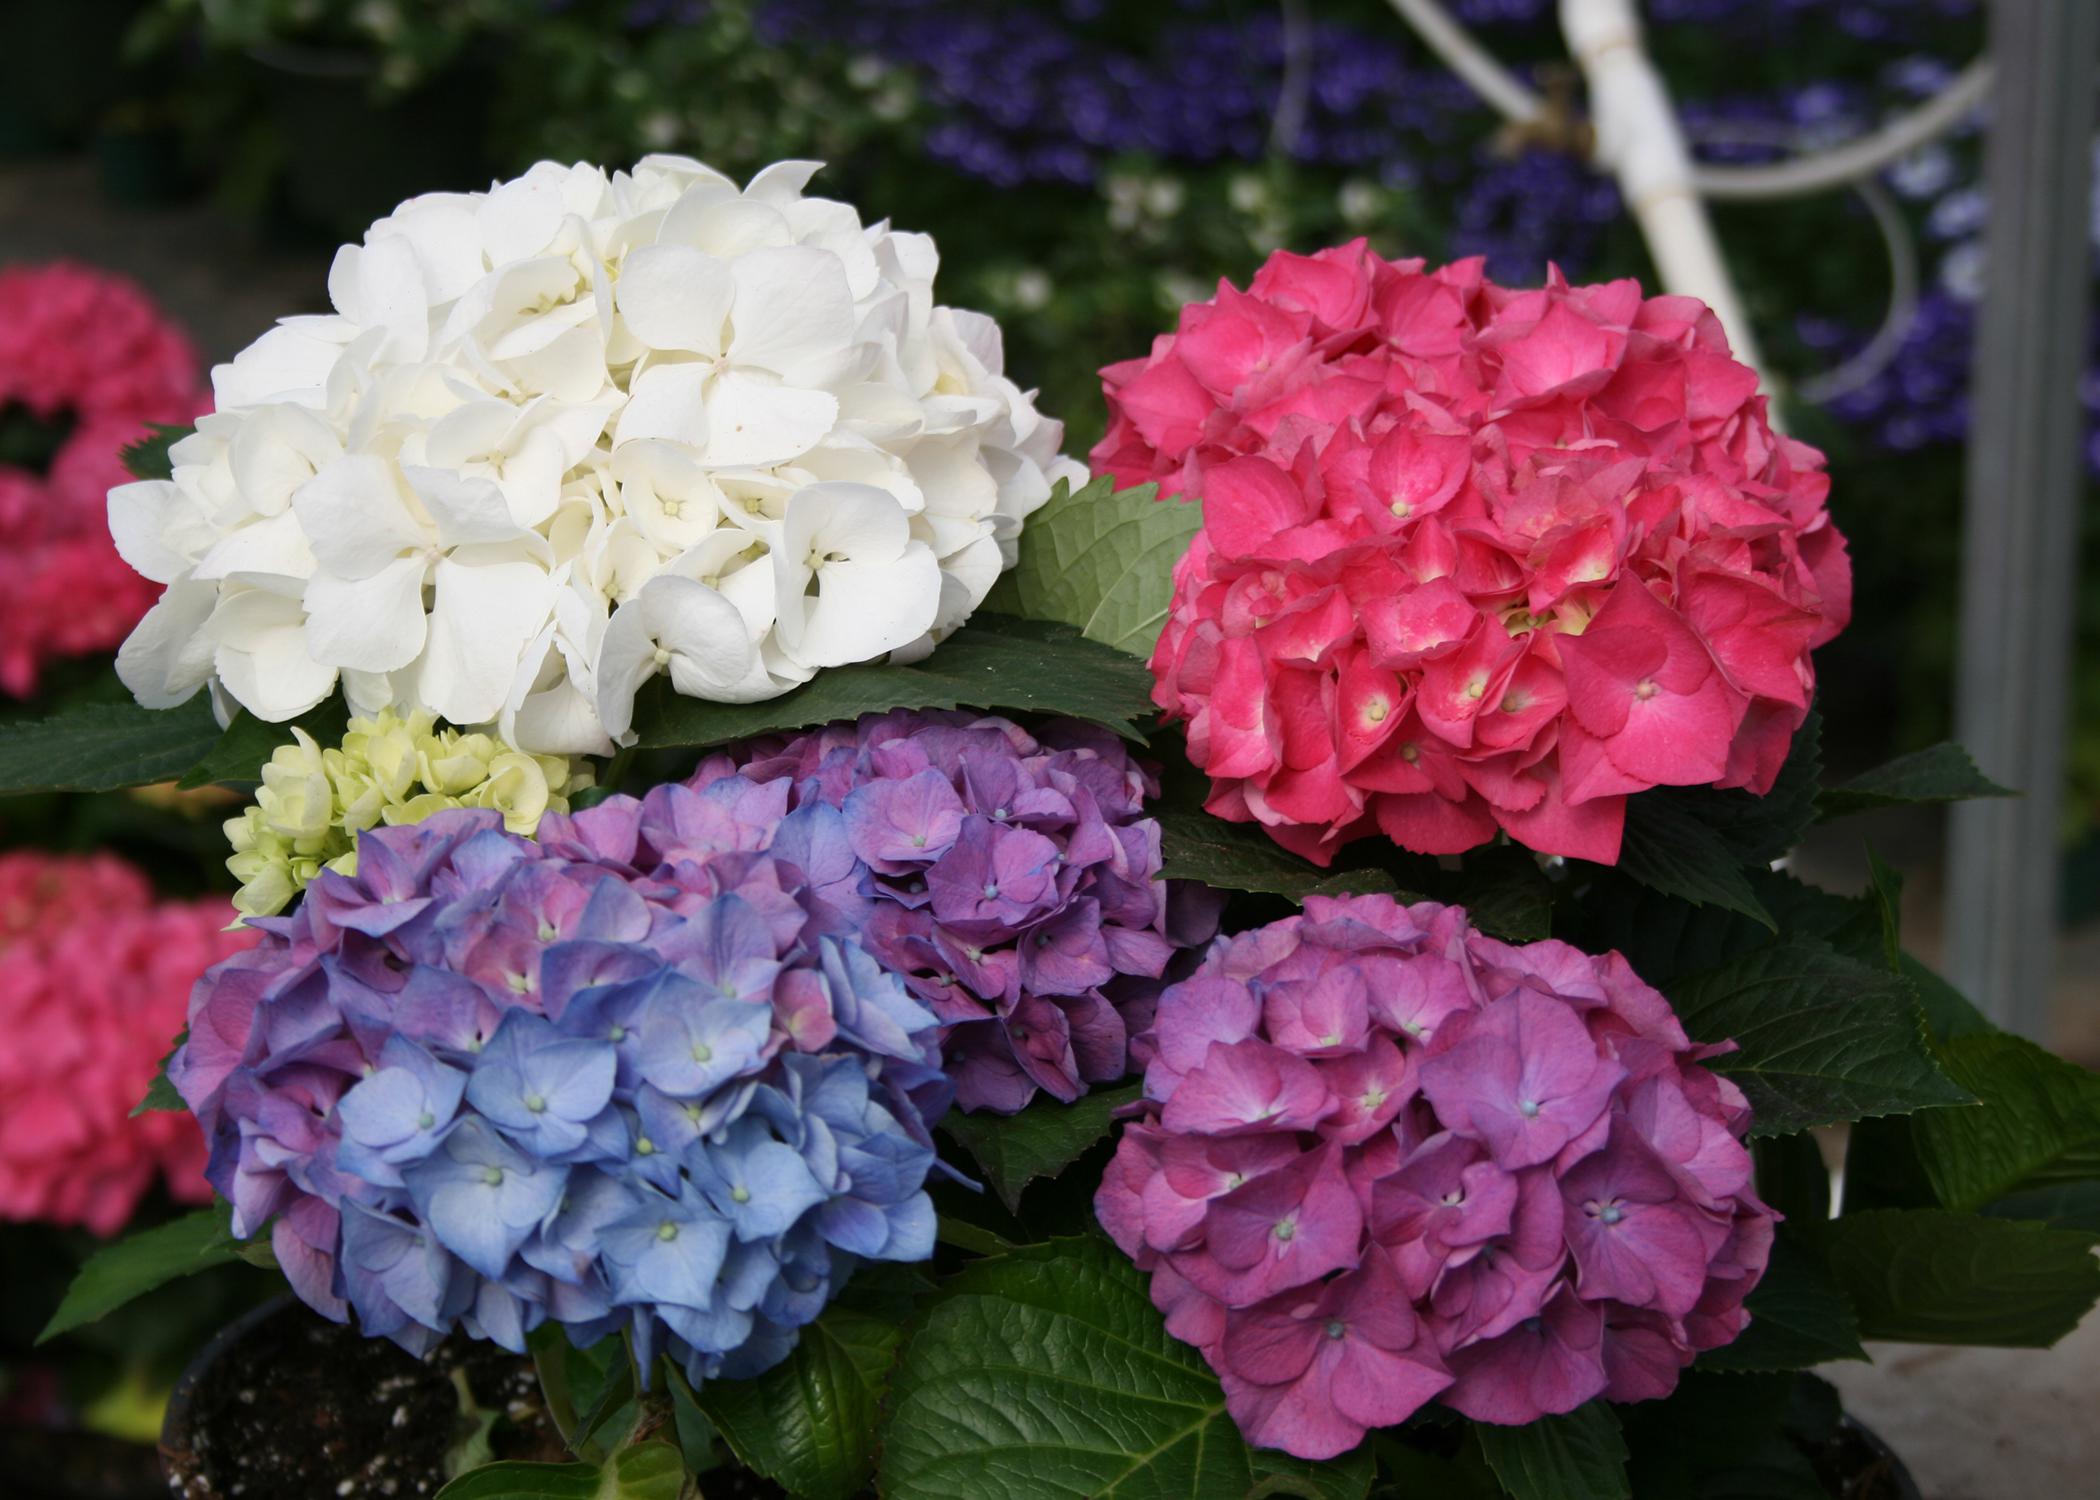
(1385, 1158)
(313, 803)
(1011, 880)
(86, 361)
(637, 1074)
(93, 973)
(579, 430)
(1473, 557)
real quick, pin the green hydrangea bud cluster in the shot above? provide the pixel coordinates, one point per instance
(389, 769)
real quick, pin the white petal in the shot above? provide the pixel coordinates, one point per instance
(262, 552)
(392, 296)
(371, 624)
(724, 227)
(794, 312)
(167, 655)
(155, 527)
(289, 363)
(486, 611)
(463, 508)
(262, 657)
(667, 402)
(277, 449)
(354, 518)
(782, 181)
(862, 610)
(750, 422)
(846, 520)
(675, 297)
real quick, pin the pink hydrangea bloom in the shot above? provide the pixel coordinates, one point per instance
(94, 978)
(1473, 557)
(86, 351)
(1383, 1159)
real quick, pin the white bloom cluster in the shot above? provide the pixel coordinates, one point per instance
(576, 430)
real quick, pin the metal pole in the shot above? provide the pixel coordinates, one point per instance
(2020, 528)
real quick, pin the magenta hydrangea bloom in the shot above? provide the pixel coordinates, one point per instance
(1384, 1159)
(1010, 878)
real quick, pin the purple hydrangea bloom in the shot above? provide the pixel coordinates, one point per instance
(1386, 1159)
(1010, 878)
(640, 1074)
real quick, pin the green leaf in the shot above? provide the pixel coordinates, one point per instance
(1757, 830)
(1102, 561)
(1041, 1141)
(160, 1093)
(1948, 1013)
(1505, 893)
(994, 662)
(1798, 1317)
(148, 457)
(1885, 890)
(1822, 1038)
(1580, 1456)
(2038, 1124)
(1048, 1375)
(1943, 773)
(132, 1267)
(102, 747)
(1240, 857)
(647, 1471)
(1932, 1276)
(248, 743)
(808, 1424)
(1668, 848)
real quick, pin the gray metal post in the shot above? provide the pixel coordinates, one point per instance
(2020, 531)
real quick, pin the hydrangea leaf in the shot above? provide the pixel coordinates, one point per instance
(137, 1264)
(248, 743)
(1041, 1141)
(1505, 893)
(995, 662)
(148, 457)
(160, 1093)
(808, 1424)
(1240, 857)
(1048, 1373)
(1942, 773)
(1580, 1456)
(647, 1471)
(1101, 560)
(1755, 830)
(1798, 1317)
(1822, 1038)
(1669, 848)
(2038, 1125)
(1933, 1276)
(102, 747)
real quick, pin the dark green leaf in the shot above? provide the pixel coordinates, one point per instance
(1944, 773)
(1798, 1317)
(248, 743)
(2070, 1205)
(647, 1471)
(1668, 848)
(1757, 830)
(101, 747)
(1505, 893)
(1101, 561)
(148, 457)
(2038, 1124)
(1047, 1374)
(1885, 890)
(1792, 1176)
(132, 1267)
(1932, 1276)
(1041, 1141)
(808, 1423)
(1581, 1456)
(1948, 1013)
(160, 1094)
(994, 662)
(1240, 857)
(1822, 1038)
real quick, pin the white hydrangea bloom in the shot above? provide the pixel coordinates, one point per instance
(575, 431)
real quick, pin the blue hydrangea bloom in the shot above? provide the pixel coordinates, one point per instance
(637, 1075)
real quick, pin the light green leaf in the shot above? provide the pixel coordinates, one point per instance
(1047, 1374)
(808, 1424)
(1822, 1038)
(2038, 1124)
(1932, 1276)
(102, 747)
(647, 1471)
(1041, 1141)
(1240, 857)
(1102, 561)
(1798, 1317)
(1943, 773)
(1580, 1456)
(132, 1267)
(994, 662)
(248, 743)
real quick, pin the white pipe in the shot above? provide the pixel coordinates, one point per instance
(1509, 95)
(1639, 139)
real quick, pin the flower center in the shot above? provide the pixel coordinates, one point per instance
(667, 1231)
(1336, 1328)
(662, 657)
(1285, 1229)
(1401, 509)
(425, 1120)
(740, 1194)
(703, 1053)
(536, 1103)
(493, 1176)
(1376, 710)
(1645, 689)
(991, 890)
(1528, 1108)
(643, 1146)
